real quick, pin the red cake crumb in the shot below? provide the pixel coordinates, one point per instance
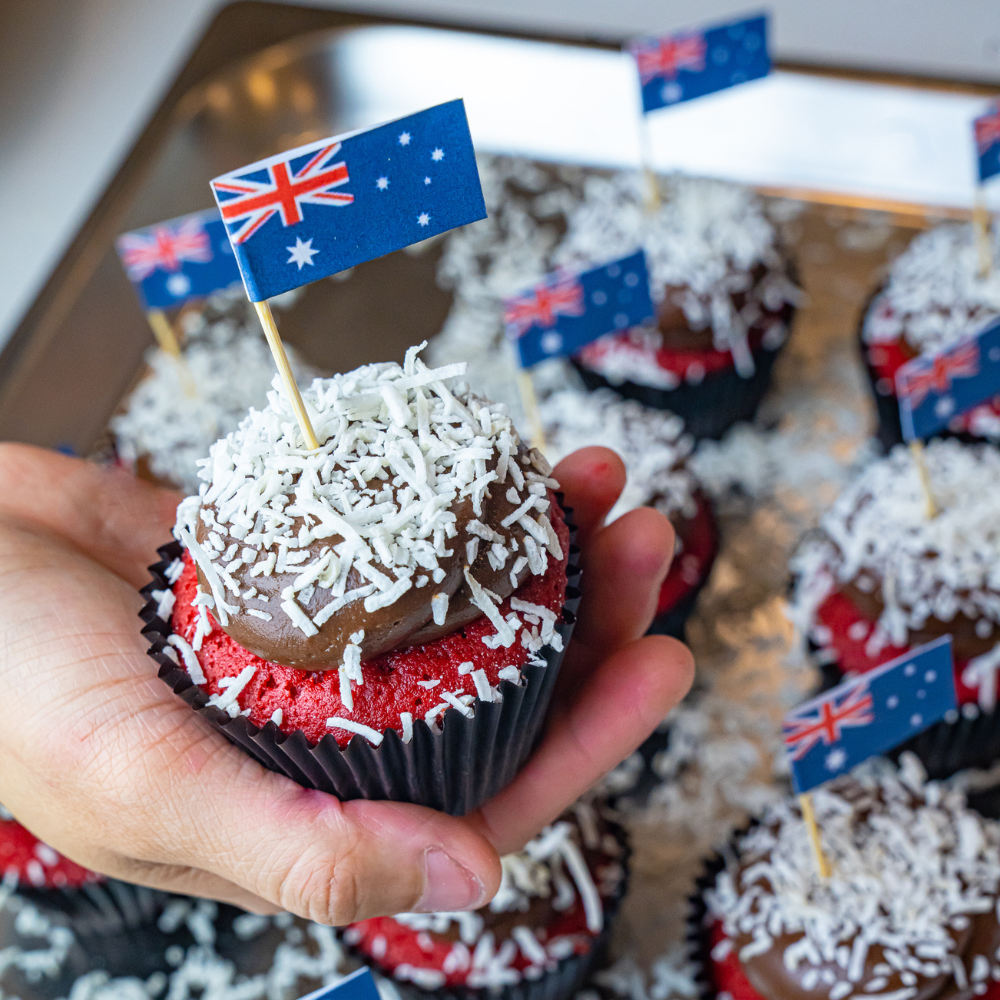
(24, 857)
(306, 699)
(849, 630)
(404, 946)
(692, 564)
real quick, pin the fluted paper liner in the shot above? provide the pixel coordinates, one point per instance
(454, 770)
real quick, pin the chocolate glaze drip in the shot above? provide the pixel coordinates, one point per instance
(407, 621)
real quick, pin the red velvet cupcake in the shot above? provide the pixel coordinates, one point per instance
(382, 617)
(92, 903)
(540, 935)
(724, 291)
(933, 297)
(909, 912)
(881, 578)
(654, 448)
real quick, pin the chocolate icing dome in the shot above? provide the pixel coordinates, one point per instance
(420, 512)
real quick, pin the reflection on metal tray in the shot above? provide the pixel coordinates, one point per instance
(80, 345)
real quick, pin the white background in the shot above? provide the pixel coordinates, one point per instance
(78, 78)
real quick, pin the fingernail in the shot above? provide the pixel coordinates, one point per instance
(448, 885)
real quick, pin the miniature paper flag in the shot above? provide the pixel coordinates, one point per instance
(322, 208)
(934, 388)
(358, 985)
(987, 131)
(870, 714)
(565, 311)
(185, 258)
(684, 66)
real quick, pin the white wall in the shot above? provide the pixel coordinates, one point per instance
(78, 78)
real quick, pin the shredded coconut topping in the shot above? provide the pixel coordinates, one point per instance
(399, 451)
(651, 443)
(910, 863)
(935, 294)
(878, 535)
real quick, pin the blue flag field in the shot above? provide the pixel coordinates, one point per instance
(358, 985)
(681, 67)
(870, 714)
(566, 311)
(173, 262)
(934, 388)
(322, 208)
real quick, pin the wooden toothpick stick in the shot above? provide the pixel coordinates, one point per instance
(285, 369)
(822, 863)
(529, 400)
(981, 224)
(167, 340)
(917, 451)
(653, 199)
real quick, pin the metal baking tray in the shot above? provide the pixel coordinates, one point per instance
(266, 77)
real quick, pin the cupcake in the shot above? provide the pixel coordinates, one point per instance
(880, 578)
(383, 617)
(933, 296)
(92, 903)
(724, 291)
(172, 417)
(654, 448)
(540, 935)
(910, 911)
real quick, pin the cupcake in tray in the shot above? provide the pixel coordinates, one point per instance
(383, 617)
(91, 903)
(933, 296)
(542, 933)
(725, 295)
(172, 417)
(654, 448)
(881, 577)
(910, 911)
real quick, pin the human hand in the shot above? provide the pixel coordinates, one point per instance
(103, 762)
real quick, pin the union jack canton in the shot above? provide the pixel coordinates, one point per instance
(987, 132)
(179, 260)
(565, 311)
(870, 714)
(933, 389)
(681, 67)
(322, 208)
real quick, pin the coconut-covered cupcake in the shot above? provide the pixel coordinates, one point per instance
(403, 587)
(92, 903)
(933, 297)
(881, 577)
(723, 287)
(654, 448)
(175, 413)
(539, 935)
(910, 911)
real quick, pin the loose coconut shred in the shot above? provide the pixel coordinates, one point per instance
(399, 450)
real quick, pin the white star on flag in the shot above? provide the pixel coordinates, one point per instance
(301, 253)
(836, 759)
(423, 219)
(438, 154)
(427, 180)
(404, 139)
(382, 183)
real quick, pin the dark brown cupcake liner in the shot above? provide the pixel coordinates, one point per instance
(561, 983)
(101, 908)
(454, 770)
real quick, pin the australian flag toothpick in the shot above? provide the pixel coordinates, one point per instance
(322, 208)
(987, 132)
(173, 262)
(566, 311)
(681, 67)
(870, 714)
(358, 985)
(934, 388)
